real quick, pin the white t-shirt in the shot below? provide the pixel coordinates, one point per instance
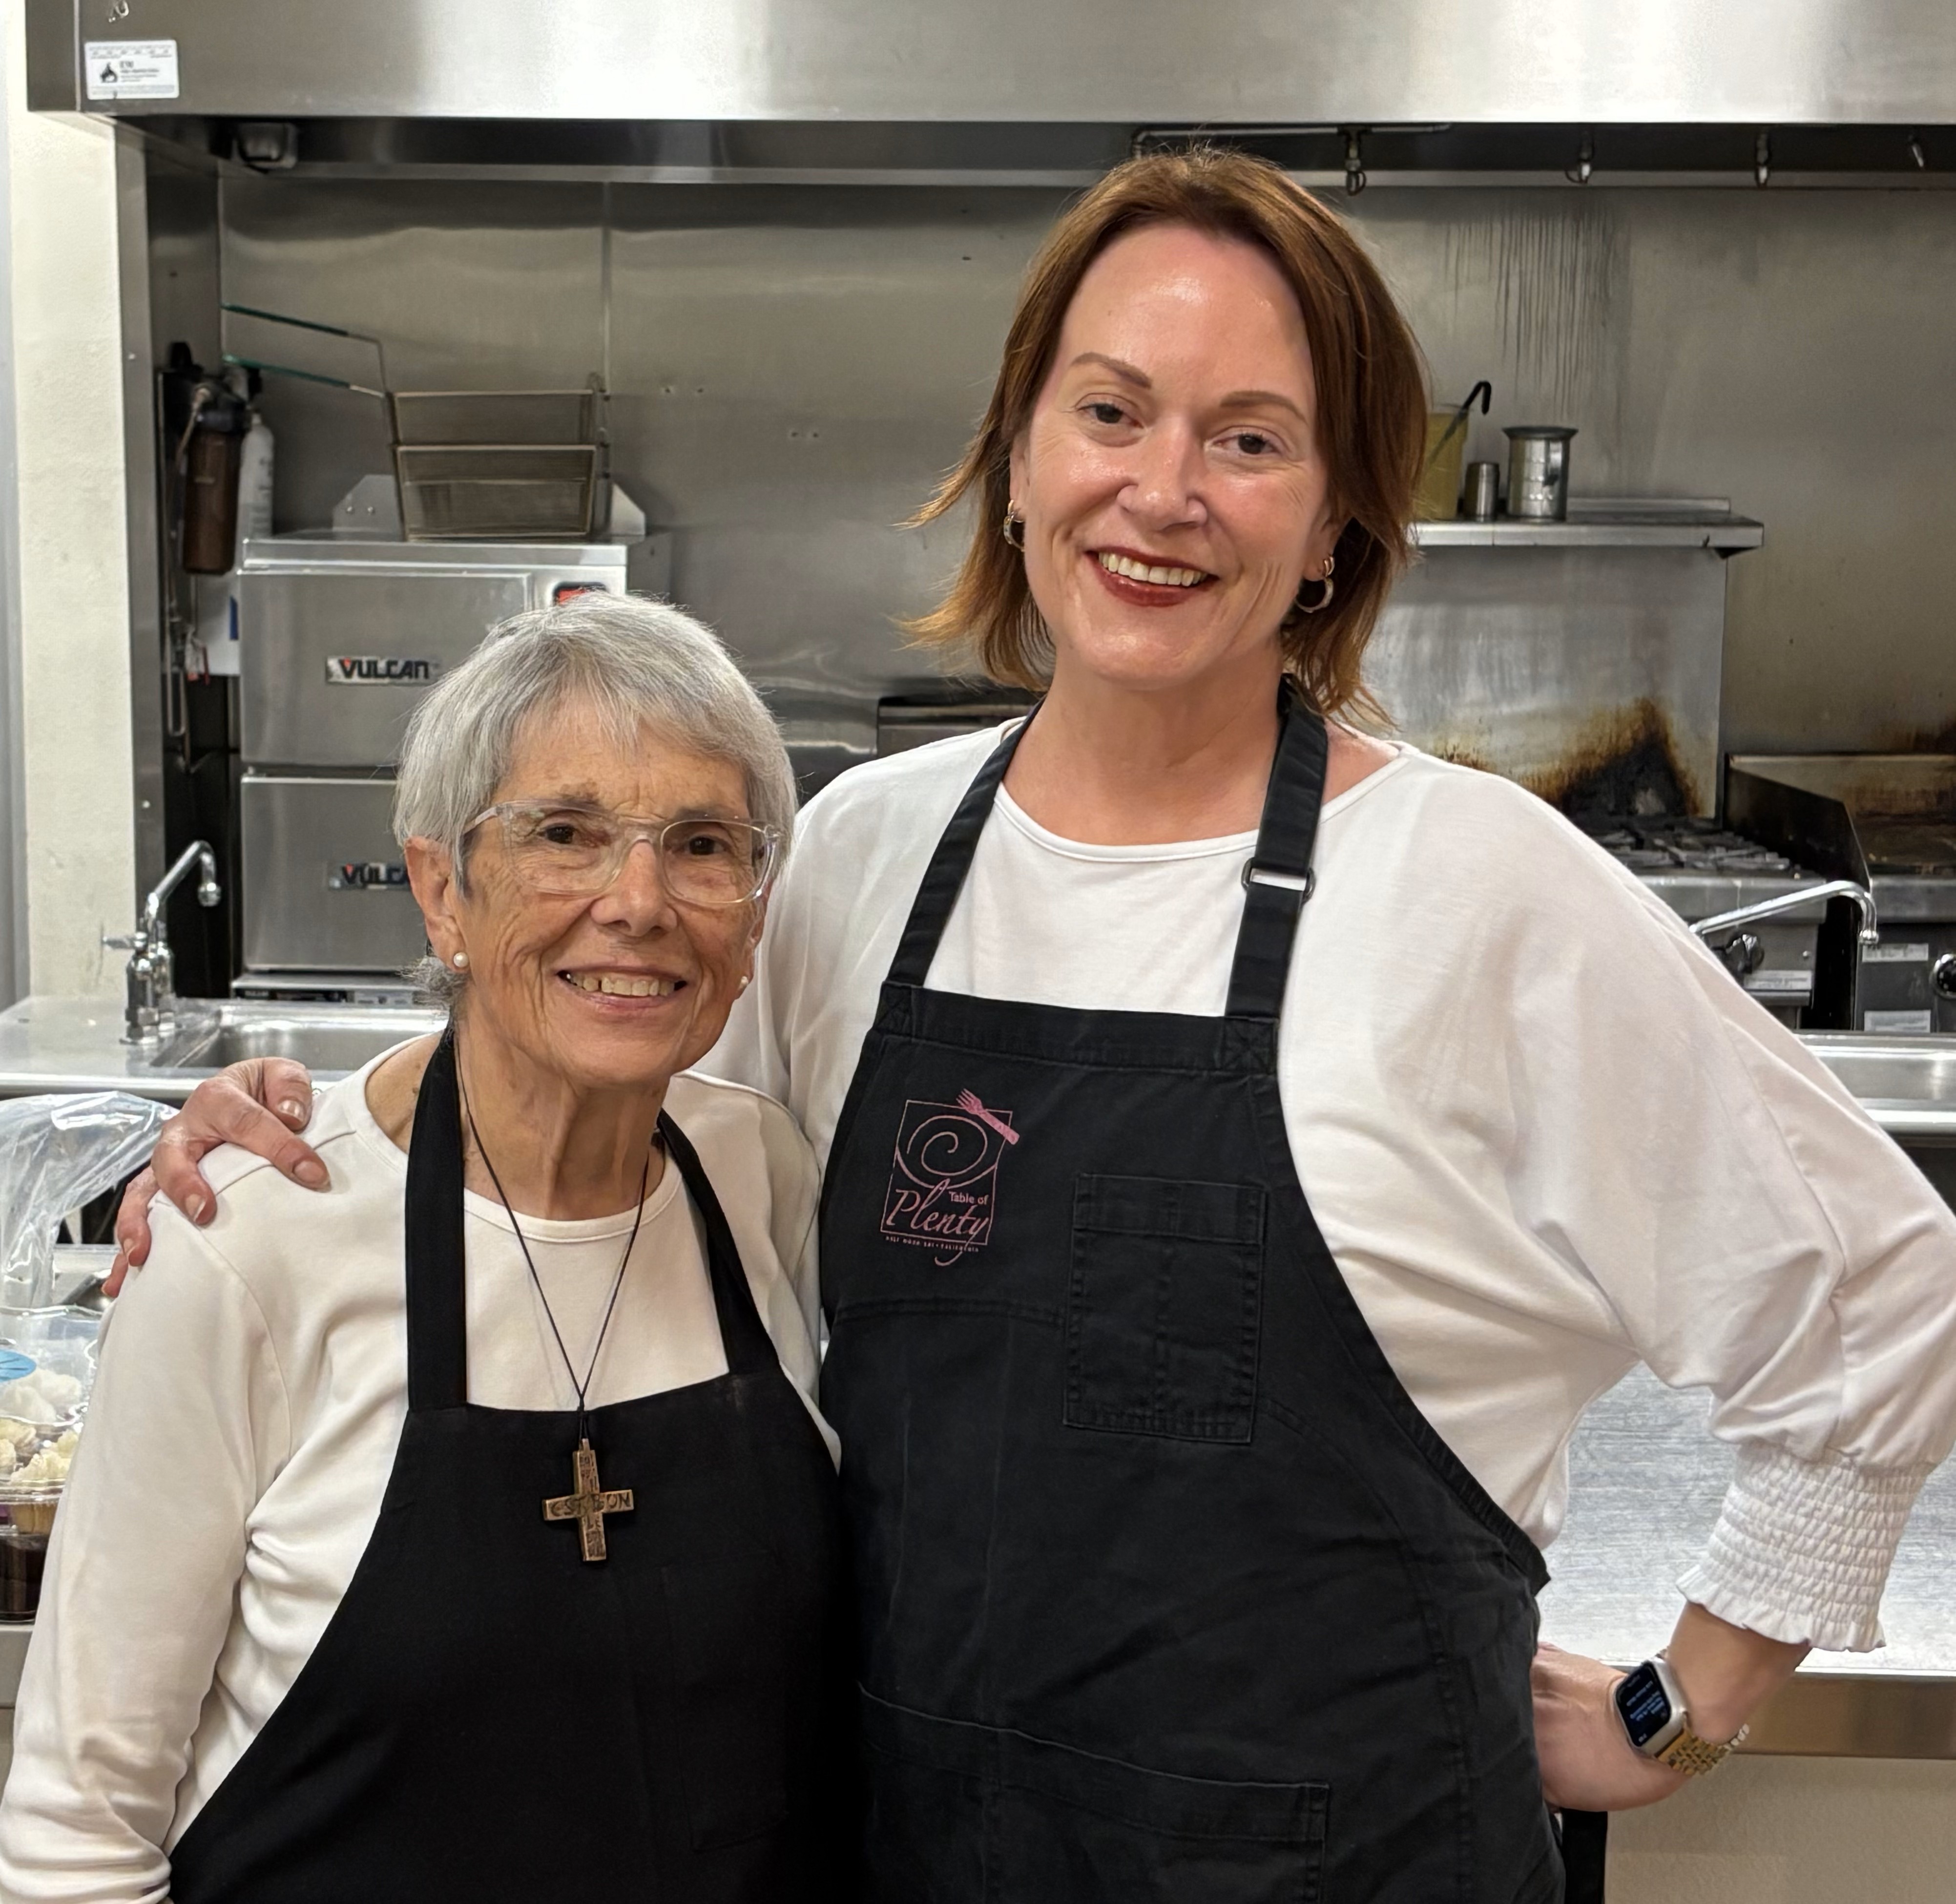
(1544, 1133)
(249, 1404)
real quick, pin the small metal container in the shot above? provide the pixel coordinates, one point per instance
(1538, 471)
(1483, 499)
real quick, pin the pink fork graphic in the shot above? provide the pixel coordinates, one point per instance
(968, 1101)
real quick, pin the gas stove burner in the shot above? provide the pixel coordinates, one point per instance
(1684, 844)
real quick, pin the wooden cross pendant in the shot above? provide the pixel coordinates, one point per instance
(589, 1504)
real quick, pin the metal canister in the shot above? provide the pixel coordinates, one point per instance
(1538, 471)
(1484, 491)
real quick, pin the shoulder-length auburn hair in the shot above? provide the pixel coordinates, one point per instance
(1371, 411)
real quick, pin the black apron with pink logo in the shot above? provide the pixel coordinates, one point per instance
(1167, 1591)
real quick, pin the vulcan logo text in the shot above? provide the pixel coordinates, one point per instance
(379, 671)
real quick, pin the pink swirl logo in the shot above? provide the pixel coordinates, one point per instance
(944, 1182)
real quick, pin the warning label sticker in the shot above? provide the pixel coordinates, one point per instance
(131, 69)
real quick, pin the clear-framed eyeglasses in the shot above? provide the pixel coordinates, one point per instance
(571, 850)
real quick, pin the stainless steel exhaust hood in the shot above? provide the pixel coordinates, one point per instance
(1131, 63)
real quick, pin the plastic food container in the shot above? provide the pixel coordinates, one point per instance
(47, 1373)
(1437, 498)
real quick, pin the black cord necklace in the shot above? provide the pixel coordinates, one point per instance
(589, 1502)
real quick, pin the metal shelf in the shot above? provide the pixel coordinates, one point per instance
(1608, 521)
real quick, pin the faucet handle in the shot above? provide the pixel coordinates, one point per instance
(124, 942)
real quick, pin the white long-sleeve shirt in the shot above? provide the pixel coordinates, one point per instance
(1544, 1135)
(248, 1405)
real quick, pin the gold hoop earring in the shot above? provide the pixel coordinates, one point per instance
(1014, 520)
(1324, 601)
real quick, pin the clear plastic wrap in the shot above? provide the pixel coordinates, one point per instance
(56, 1154)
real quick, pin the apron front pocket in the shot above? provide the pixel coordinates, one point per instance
(1164, 1308)
(731, 1667)
(993, 1813)
(1096, 1831)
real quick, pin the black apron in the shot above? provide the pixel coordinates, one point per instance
(1166, 1591)
(487, 1715)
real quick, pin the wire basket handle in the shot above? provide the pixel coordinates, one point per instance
(324, 330)
(301, 376)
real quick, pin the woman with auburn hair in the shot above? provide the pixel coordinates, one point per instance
(1250, 1145)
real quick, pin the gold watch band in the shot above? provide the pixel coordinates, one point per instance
(1693, 1756)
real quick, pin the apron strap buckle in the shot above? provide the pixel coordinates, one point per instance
(1304, 882)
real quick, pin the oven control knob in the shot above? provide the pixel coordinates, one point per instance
(1742, 953)
(1942, 975)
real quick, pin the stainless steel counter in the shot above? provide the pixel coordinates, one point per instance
(1907, 1083)
(1646, 1478)
(76, 1044)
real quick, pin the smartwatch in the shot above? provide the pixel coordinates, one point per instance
(1652, 1706)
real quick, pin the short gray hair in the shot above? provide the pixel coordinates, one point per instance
(638, 664)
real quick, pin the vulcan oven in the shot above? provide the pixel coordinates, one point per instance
(340, 638)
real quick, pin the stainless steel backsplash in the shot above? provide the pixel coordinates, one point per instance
(795, 366)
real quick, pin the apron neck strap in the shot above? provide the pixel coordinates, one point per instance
(1278, 877)
(438, 1301)
(749, 1348)
(944, 879)
(436, 1280)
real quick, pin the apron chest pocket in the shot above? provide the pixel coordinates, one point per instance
(1164, 1307)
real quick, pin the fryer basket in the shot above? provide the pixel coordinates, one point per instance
(496, 492)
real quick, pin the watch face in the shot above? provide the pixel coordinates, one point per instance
(1644, 1704)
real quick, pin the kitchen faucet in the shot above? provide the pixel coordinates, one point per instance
(152, 971)
(1746, 947)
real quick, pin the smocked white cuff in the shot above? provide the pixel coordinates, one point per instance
(1802, 1548)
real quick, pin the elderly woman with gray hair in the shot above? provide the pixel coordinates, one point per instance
(502, 1560)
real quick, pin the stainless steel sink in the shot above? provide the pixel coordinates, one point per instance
(328, 1039)
(1908, 1083)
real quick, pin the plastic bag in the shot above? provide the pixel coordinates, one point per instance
(55, 1153)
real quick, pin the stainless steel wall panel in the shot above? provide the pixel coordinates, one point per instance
(797, 370)
(484, 286)
(302, 913)
(1241, 61)
(1791, 351)
(54, 45)
(1593, 669)
(185, 272)
(141, 351)
(794, 368)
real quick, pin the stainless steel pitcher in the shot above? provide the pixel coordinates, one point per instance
(1538, 471)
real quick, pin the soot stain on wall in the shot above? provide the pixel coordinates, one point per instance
(1624, 761)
